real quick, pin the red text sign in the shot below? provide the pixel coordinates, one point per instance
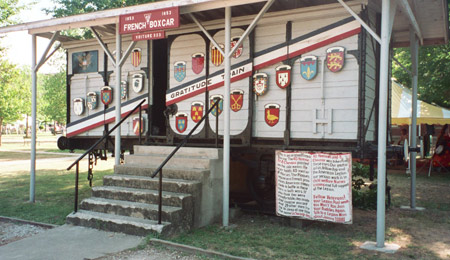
(151, 20)
(149, 36)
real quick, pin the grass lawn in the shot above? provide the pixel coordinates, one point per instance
(421, 234)
(54, 194)
(54, 187)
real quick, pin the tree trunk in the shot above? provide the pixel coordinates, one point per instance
(1, 130)
(26, 128)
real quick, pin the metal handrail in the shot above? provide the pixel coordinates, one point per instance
(97, 143)
(183, 142)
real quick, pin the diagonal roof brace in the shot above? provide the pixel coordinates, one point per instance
(252, 25)
(100, 41)
(44, 57)
(207, 34)
(412, 18)
(363, 24)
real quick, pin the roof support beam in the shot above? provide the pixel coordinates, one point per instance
(414, 43)
(252, 25)
(33, 116)
(226, 119)
(127, 53)
(207, 34)
(401, 66)
(392, 11)
(118, 72)
(100, 41)
(44, 57)
(363, 24)
(50, 55)
(412, 18)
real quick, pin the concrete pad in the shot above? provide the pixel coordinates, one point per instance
(69, 242)
(388, 248)
(409, 208)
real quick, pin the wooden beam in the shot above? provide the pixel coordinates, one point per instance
(74, 25)
(111, 16)
(412, 18)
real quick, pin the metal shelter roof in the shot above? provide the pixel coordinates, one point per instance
(431, 16)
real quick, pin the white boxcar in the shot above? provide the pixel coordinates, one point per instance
(304, 79)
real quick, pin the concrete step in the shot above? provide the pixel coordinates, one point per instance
(168, 172)
(155, 160)
(135, 209)
(116, 223)
(143, 195)
(143, 182)
(197, 152)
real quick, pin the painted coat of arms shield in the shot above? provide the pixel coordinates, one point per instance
(283, 75)
(236, 100)
(179, 70)
(92, 100)
(272, 114)
(198, 62)
(335, 58)
(138, 82)
(197, 109)
(239, 50)
(106, 94)
(308, 67)
(138, 123)
(216, 56)
(136, 57)
(181, 122)
(78, 106)
(123, 89)
(260, 83)
(216, 110)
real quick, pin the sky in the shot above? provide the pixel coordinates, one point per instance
(19, 43)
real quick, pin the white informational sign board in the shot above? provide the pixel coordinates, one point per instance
(315, 186)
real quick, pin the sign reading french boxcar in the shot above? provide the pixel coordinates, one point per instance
(150, 20)
(315, 186)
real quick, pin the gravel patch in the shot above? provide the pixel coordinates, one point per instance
(10, 231)
(151, 253)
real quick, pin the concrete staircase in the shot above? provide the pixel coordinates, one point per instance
(128, 201)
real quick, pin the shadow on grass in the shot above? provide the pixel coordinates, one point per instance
(422, 235)
(54, 194)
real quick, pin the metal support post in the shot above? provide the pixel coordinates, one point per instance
(382, 121)
(118, 72)
(414, 48)
(226, 110)
(33, 116)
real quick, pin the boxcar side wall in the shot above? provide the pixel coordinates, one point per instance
(320, 105)
(85, 80)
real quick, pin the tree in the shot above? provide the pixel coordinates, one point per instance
(14, 98)
(8, 8)
(434, 73)
(53, 100)
(65, 8)
(70, 7)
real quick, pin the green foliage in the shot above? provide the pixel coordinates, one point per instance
(434, 73)
(53, 104)
(9, 8)
(363, 197)
(65, 8)
(15, 96)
